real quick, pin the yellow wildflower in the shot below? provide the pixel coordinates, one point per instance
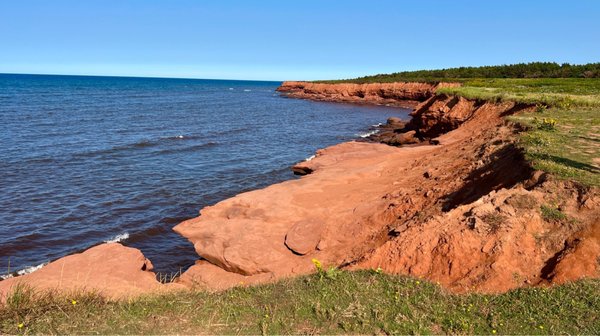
(20, 325)
(73, 302)
(317, 264)
(493, 331)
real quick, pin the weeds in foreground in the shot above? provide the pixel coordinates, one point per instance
(494, 220)
(546, 124)
(364, 302)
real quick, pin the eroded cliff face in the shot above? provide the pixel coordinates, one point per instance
(404, 94)
(435, 116)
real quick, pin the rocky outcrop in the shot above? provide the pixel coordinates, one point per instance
(111, 270)
(437, 115)
(404, 94)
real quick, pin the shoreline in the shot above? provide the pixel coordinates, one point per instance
(361, 205)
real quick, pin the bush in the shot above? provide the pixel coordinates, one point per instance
(551, 214)
(547, 124)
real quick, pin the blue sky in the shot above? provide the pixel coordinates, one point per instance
(277, 40)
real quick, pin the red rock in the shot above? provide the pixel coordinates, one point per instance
(112, 270)
(405, 94)
(304, 236)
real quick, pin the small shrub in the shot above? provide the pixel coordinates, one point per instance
(331, 273)
(547, 124)
(524, 202)
(536, 139)
(494, 220)
(540, 108)
(551, 214)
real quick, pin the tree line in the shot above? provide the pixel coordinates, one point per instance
(520, 70)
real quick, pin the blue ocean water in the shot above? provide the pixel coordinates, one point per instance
(90, 159)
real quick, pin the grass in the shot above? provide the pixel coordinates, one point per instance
(570, 149)
(552, 214)
(557, 92)
(563, 135)
(348, 302)
(494, 220)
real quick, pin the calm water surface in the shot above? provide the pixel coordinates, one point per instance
(85, 160)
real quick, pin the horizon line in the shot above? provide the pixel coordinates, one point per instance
(131, 76)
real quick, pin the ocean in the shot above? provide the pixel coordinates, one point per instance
(85, 160)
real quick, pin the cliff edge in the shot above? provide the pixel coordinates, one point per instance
(402, 94)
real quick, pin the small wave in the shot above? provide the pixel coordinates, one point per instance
(118, 238)
(231, 89)
(24, 271)
(144, 143)
(377, 125)
(247, 90)
(310, 158)
(368, 134)
(180, 136)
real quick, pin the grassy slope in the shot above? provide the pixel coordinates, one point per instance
(337, 302)
(570, 149)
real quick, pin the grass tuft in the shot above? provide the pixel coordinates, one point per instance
(552, 214)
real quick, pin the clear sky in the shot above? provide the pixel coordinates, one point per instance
(308, 39)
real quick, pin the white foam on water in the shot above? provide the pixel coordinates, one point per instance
(310, 158)
(31, 269)
(118, 238)
(368, 134)
(247, 90)
(24, 271)
(230, 88)
(377, 125)
(179, 137)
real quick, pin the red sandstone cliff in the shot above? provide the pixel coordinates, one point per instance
(404, 94)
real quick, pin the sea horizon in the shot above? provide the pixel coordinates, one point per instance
(143, 77)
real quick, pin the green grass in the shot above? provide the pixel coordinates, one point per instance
(568, 143)
(552, 214)
(557, 92)
(569, 151)
(365, 302)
